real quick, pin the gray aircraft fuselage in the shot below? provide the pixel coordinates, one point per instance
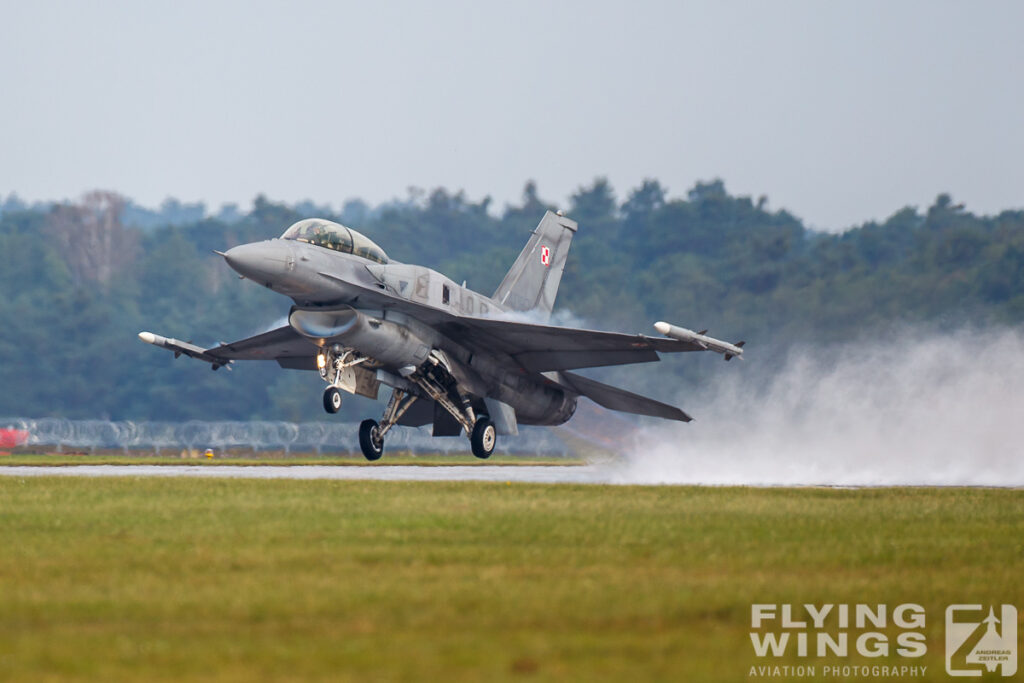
(313, 276)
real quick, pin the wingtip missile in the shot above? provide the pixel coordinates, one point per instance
(165, 342)
(682, 334)
(178, 348)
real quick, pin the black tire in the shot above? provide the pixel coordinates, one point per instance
(484, 438)
(332, 400)
(369, 441)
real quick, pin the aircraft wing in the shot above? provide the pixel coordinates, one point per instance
(283, 342)
(536, 347)
(289, 348)
(541, 348)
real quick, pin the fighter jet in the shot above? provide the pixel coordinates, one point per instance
(453, 358)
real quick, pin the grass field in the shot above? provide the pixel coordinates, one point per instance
(238, 580)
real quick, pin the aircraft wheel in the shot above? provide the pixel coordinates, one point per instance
(370, 440)
(484, 438)
(332, 399)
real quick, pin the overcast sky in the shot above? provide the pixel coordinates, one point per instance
(838, 111)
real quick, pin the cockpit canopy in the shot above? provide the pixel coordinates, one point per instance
(335, 236)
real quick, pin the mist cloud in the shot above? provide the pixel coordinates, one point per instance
(923, 409)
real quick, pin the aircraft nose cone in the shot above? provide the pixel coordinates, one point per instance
(263, 262)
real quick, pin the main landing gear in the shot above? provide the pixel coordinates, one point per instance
(431, 380)
(371, 434)
(371, 441)
(483, 438)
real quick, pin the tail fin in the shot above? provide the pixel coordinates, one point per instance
(532, 282)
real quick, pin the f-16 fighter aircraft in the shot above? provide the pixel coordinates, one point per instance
(452, 357)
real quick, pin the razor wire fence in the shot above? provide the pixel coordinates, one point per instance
(257, 436)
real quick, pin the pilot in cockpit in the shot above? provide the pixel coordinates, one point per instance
(320, 235)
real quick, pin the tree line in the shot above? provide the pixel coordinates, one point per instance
(80, 279)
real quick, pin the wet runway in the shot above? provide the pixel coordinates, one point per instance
(616, 472)
(541, 474)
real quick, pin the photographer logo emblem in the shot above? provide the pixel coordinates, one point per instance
(980, 638)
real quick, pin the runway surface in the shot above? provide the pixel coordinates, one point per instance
(544, 474)
(622, 472)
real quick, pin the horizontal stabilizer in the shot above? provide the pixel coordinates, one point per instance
(624, 401)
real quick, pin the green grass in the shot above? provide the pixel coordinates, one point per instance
(279, 458)
(238, 580)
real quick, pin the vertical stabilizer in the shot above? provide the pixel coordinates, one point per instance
(532, 282)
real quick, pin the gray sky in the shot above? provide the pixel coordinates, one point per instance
(838, 111)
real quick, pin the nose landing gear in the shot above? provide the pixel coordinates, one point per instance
(332, 399)
(336, 368)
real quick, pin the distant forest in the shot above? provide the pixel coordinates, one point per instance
(79, 280)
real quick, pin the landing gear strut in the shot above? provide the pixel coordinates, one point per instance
(436, 380)
(432, 379)
(336, 368)
(371, 434)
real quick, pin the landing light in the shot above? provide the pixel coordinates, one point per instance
(321, 360)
